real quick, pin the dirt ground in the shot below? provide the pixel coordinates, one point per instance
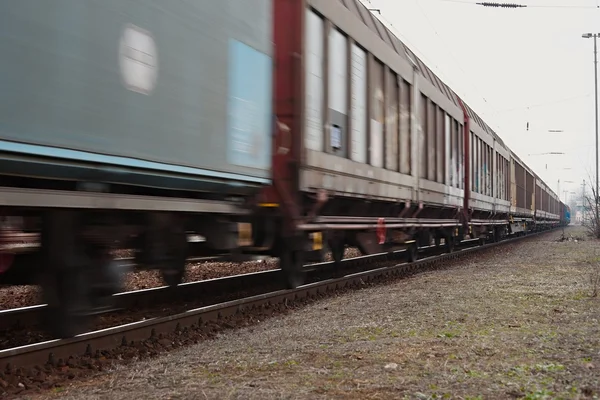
(519, 322)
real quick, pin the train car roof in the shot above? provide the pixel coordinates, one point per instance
(375, 25)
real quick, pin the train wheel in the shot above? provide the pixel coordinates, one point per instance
(338, 255)
(337, 247)
(449, 244)
(173, 271)
(291, 262)
(413, 252)
(66, 315)
(172, 276)
(64, 281)
(163, 246)
(337, 252)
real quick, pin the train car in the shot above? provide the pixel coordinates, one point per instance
(522, 196)
(375, 151)
(567, 215)
(489, 198)
(132, 124)
(547, 210)
(378, 152)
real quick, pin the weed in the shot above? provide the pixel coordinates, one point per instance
(538, 395)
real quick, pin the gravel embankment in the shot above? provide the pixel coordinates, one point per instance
(23, 296)
(517, 323)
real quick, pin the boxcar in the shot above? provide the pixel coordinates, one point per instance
(375, 141)
(547, 210)
(129, 123)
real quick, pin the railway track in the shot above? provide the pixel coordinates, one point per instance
(26, 317)
(88, 344)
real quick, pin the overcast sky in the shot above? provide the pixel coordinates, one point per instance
(514, 66)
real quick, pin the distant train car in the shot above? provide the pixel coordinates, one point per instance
(565, 215)
(547, 209)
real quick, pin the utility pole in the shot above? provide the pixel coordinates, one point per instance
(595, 36)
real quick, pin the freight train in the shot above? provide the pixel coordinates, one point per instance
(264, 127)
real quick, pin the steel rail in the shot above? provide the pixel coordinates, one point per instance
(23, 317)
(27, 316)
(110, 338)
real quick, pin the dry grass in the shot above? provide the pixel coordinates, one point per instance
(517, 323)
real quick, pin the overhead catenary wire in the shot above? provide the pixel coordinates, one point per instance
(513, 5)
(549, 103)
(502, 5)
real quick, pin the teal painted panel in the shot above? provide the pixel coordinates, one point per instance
(147, 80)
(250, 106)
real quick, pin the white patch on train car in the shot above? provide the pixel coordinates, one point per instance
(377, 140)
(138, 60)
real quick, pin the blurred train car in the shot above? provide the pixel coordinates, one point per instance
(131, 124)
(565, 213)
